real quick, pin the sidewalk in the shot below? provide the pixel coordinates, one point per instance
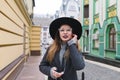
(93, 71)
(31, 70)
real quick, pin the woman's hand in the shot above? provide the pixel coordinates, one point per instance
(56, 74)
(74, 37)
(73, 40)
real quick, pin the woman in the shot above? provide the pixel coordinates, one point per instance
(63, 58)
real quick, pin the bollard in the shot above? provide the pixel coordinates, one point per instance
(83, 76)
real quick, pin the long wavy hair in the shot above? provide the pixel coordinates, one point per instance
(56, 46)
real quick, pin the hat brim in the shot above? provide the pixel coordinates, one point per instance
(73, 23)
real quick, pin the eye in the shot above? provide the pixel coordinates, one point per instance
(61, 30)
(68, 29)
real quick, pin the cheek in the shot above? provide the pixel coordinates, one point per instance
(60, 34)
(70, 35)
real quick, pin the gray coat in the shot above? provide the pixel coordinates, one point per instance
(74, 63)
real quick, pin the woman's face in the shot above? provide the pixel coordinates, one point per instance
(65, 32)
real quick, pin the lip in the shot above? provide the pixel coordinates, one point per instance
(65, 36)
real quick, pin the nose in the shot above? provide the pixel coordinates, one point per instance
(65, 31)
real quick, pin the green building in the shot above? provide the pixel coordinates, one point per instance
(101, 28)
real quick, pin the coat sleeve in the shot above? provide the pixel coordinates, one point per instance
(76, 58)
(44, 66)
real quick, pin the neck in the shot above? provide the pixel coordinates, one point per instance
(63, 45)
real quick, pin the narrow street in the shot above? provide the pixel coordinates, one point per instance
(25, 34)
(31, 70)
(93, 71)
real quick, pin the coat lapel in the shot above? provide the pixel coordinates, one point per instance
(57, 63)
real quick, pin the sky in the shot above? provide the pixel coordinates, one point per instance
(44, 7)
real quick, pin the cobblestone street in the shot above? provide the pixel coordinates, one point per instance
(99, 71)
(93, 71)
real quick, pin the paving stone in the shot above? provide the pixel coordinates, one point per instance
(93, 71)
(96, 71)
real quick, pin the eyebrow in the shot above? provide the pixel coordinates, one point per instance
(63, 28)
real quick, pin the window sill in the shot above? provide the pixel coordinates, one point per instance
(95, 48)
(112, 50)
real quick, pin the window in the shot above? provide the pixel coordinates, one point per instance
(96, 39)
(86, 11)
(112, 38)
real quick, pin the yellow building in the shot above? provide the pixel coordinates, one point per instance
(15, 36)
(35, 40)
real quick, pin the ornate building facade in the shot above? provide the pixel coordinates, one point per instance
(101, 28)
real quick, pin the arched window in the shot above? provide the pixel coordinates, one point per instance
(112, 38)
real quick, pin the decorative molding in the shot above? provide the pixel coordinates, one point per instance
(86, 2)
(112, 11)
(86, 21)
(96, 18)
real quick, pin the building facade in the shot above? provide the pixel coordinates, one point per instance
(15, 27)
(35, 40)
(69, 8)
(101, 28)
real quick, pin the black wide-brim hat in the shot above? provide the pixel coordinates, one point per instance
(73, 23)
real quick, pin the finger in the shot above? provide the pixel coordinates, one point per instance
(56, 75)
(59, 74)
(54, 68)
(75, 36)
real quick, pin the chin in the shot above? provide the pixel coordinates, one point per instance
(65, 40)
